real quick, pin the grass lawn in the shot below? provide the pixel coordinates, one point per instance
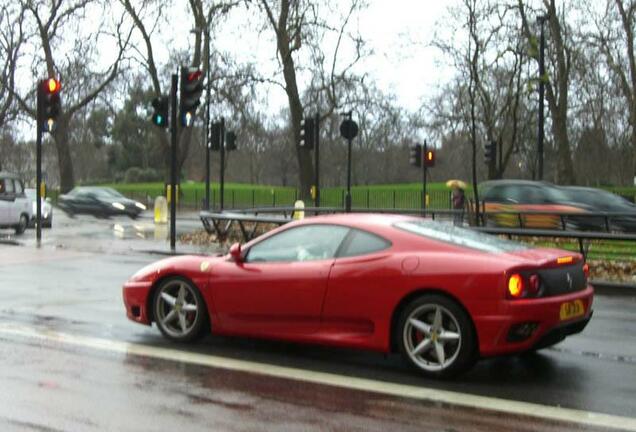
(598, 249)
(237, 195)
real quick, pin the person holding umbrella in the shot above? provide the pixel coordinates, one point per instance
(458, 200)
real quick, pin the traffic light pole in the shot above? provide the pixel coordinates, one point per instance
(38, 168)
(222, 168)
(173, 163)
(317, 159)
(207, 125)
(424, 169)
(349, 142)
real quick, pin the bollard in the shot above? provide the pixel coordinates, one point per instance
(299, 213)
(161, 210)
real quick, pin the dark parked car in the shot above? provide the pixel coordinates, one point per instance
(528, 196)
(602, 201)
(99, 202)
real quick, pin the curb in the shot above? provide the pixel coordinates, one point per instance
(613, 288)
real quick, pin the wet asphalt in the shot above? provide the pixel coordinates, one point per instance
(72, 286)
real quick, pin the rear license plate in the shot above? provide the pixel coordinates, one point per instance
(571, 310)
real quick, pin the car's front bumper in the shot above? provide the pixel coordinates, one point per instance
(542, 313)
(136, 301)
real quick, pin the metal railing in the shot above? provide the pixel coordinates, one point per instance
(250, 220)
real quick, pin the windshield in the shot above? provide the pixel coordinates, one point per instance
(555, 195)
(108, 192)
(450, 233)
(598, 197)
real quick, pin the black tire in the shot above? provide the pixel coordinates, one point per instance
(454, 336)
(48, 224)
(22, 225)
(190, 325)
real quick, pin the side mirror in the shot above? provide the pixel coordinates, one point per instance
(235, 253)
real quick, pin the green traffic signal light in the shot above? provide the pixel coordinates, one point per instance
(160, 116)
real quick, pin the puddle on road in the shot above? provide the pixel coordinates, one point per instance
(140, 231)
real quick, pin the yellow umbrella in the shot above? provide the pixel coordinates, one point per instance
(454, 183)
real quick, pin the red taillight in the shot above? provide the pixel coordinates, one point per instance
(515, 286)
(586, 270)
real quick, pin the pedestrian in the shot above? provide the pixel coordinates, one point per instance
(459, 200)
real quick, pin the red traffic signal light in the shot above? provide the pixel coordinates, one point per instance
(52, 85)
(429, 158)
(191, 89)
(49, 104)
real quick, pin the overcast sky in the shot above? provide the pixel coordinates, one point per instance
(398, 32)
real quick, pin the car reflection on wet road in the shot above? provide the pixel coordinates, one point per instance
(72, 361)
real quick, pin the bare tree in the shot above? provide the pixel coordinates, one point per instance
(296, 23)
(11, 39)
(557, 82)
(55, 23)
(615, 38)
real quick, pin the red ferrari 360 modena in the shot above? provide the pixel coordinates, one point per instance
(441, 295)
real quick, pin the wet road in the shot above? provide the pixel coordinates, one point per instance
(71, 361)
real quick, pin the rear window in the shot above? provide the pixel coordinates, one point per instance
(452, 234)
(363, 243)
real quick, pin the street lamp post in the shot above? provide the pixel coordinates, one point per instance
(542, 19)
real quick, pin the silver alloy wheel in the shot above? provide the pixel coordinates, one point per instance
(177, 309)
(432, 337)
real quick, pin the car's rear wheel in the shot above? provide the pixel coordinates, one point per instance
(179, 310)
(22, 224)
(436, 336)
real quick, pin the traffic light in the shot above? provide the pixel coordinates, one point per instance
(415, 155)
(215, 136)
(160, 116)
(429, 158)
(490, 152)
(307, 130)
(191, 88)
(49, 103)
(230, 141)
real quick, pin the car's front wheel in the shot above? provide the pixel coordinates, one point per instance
(179, 310)
(22, 224)
(436, 336)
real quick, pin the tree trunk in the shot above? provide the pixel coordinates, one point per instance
(564, 168)
(64, 160)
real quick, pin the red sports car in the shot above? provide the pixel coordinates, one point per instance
(441, 295)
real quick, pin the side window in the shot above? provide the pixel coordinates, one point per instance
(362, 243)
(8, 186)
(491, 194)
(515, 194)
(533, 195)
(304, 243)
(18, 187)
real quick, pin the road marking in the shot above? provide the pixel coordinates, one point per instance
(400, 390)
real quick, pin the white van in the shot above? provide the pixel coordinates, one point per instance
(15, 207)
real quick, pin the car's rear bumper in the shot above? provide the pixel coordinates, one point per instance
(136, 301)
(542, 315)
